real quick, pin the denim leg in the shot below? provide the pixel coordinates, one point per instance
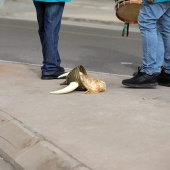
(49, 19)
(40, 10)
(159, 53)
(149, 14)
(165, 32)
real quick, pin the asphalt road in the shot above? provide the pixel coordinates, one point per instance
(97, 48)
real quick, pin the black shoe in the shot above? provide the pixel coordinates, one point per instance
(164, 79)
(137, 72)
(139, 69)
(59, 72)
(142, 80)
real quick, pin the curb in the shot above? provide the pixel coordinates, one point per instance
(26, 150)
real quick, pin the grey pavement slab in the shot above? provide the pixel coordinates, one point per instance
(5, 166)
(119, 129)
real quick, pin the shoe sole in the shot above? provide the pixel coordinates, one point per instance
(149, 85)
(51, 78)
(164, 84)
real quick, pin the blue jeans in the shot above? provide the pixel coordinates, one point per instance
(49, 15)
(154, 24)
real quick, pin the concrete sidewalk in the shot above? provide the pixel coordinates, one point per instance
(119, 129)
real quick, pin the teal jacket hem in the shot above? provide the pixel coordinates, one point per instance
(161, 1)
(53, 0)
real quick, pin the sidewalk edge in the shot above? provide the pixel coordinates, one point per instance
(26, 150)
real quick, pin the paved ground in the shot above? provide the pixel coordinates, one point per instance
(119, 129)
(4, 165)
(122, 128)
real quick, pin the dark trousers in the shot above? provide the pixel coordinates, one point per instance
(49, 15)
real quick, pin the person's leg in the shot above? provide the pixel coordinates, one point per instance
(148, 17)
(164, 77)
(159, 53)
(52, 23)
(147, 20)
(40, 10)
(165, 32)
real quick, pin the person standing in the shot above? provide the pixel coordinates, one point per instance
(154, 18)
(49, 16)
